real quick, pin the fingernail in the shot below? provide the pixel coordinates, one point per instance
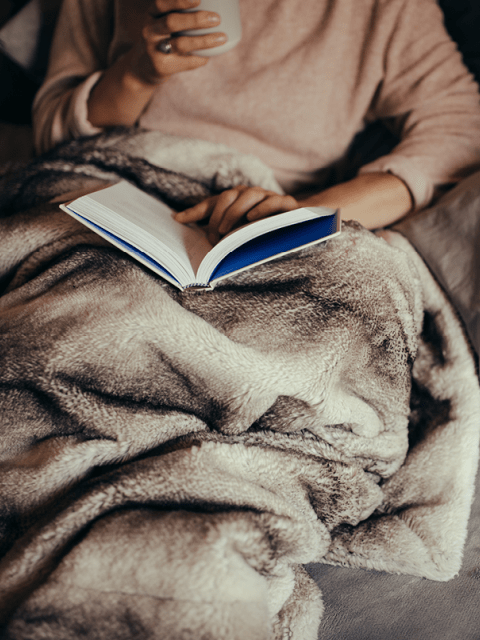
(213, 19)
(221, 37)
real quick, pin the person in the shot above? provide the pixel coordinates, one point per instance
(305, 79)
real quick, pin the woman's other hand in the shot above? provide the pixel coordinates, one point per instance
(374, 199)
(234, 207)
(125, 88)
(163, 21)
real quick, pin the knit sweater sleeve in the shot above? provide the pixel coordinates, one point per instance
(432, 101)
(77, 58)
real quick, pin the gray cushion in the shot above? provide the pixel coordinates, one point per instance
(447, 236)
(370, 605)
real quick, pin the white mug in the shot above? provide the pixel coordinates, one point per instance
(229, 12)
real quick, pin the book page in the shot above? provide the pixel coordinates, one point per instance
(136, 212)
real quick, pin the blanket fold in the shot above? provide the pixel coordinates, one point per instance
(170, 459)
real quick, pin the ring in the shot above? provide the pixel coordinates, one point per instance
(165, 45)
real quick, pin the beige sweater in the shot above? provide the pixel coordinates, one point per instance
(305, 79)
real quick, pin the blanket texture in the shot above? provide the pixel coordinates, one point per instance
(169, 460)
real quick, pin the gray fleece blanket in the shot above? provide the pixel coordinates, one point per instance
(170, 460)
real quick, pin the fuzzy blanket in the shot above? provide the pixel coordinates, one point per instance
(169, 460)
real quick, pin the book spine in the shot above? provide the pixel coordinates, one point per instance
(196, 286)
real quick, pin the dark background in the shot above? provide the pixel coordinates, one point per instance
(17, 88)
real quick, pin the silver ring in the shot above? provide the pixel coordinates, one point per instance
(165, 45)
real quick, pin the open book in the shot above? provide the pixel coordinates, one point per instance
(144, 227)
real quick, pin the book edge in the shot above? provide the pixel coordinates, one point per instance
(214, 282)
(180, 269)
(119, 243)
(268, 228)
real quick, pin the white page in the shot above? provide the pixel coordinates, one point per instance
(188, 244)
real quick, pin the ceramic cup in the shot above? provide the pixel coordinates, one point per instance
(229, 12)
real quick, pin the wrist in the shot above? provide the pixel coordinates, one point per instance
(120, 95)
(138, 71)
(374, 199)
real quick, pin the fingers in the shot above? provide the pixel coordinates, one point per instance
(165, 6)
(273, 204)
(185, 45)
(169, 23)
(160, 65)
(158, 28)
(233, 206)
(197, 213)
(252, 203)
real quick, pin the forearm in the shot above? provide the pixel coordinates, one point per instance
(374, 199)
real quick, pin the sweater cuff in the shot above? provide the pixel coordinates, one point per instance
(420, 187)
(80, 125)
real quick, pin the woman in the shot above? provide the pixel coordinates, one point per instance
(305, 79)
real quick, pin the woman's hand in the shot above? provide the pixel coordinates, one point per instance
(234, 207)
(163, 20)
(125, 88)
(374, 199)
